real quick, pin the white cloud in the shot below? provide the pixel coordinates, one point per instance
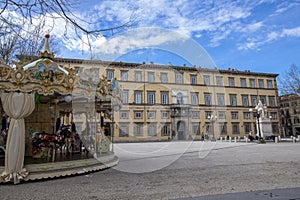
(253, 27)
(293, 32)
(136, 39)
(285, 6)
(214, 21)
(270, 37)
(185, 16)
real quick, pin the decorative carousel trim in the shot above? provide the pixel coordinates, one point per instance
(68, 168)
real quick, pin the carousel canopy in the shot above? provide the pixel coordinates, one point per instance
(47, 77)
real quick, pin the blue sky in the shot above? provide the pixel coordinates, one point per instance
(256, 35)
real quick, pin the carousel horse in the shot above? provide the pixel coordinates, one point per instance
(45, 141)
(72, 142)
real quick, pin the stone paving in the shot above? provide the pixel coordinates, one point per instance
(176, 170)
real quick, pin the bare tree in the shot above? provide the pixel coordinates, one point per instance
(8, 45)
(289, 81)
(27, 45)
(26, 12)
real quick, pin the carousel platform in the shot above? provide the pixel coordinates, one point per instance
(66, 166)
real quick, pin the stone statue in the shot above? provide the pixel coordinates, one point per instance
(260, 109)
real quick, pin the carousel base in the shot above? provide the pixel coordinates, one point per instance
(67, 168)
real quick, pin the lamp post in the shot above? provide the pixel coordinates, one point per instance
(212, 119)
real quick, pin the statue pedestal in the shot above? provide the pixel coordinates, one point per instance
(265, 127)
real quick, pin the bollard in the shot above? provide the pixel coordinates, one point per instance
(229, 139)
(235, 139)
(221, 139)
(239, 138)
(299, 138)
(279, 138)
(225, 139)
(276, 139)
(294, 139)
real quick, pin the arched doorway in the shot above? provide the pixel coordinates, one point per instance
(181, 130)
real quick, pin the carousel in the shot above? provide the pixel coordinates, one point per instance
(56, 120)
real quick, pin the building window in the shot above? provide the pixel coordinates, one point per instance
(138, 76)
(150, 77)
(273, 115)
(269, 83)
(247, 127)
(124, 75)
(196, 130)
(263, 99)
(138, 97)
(243, 82)
(207, 114)
(207, 98)
(151, 114)
(219, 80)
(195, 115)
(234, 115)
(245, 100)
(272, 101)
(151, 129)
(125, 97)
(235, 128)
(221, 99)
(164, 77)
(151, 97)
(206, 79)
(275, 128)
(110, 74)
(260, 83)
(231, 82)
(138, 114)
(138, 129)
(124, 114)
(233, 99)
(164, 114)
(164, 98)
(123, 130)
(252, 83)
(223, 128)
(193, 79)
(222, 115)
(246, 115)
(253, 100)
(194, 97)
(179, 78)
(165, 130)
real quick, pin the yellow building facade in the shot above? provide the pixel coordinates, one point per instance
(162, 102)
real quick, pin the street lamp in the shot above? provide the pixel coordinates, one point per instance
(212, 119)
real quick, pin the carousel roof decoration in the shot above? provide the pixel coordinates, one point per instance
(90, 85)
(42, 75)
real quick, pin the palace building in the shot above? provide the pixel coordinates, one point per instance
(290, 114)
(162, 102)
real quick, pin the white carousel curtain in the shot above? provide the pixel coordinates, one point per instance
(16, 106)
